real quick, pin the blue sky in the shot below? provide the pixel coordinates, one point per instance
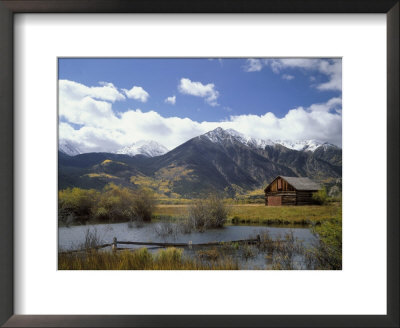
(159, 98)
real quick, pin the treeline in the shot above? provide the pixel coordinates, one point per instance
(112, 204)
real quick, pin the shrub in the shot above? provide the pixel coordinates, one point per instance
(143, 205)
(320, 197)
(115, 204)
(76, 203)
(122, 204)
(101, 214)
(208, 213)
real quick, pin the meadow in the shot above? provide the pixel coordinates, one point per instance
(261, 214)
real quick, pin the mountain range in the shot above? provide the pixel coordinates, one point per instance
(221, 160)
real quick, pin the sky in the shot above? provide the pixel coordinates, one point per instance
(106, 104)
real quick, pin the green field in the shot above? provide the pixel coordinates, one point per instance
(261, 214)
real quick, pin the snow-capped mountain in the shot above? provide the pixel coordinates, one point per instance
(68, 148)
(304, 145)
(149, 148)
(220, 135)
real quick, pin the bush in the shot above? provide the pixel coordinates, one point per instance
(101, 214)
(143, 204)
(114, 203)
(320, 197)
(208, 213)
(76, 203)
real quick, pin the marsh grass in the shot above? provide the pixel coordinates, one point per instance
(141, 259)
(248, 252)
(165, 229)
(286, 252)
(208, 254)
(92, 239)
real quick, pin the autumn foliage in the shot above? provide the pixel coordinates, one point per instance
(112, 204)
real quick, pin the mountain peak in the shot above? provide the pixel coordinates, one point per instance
(230, 135)
(69, 148)
(219, 134)
(149, 148)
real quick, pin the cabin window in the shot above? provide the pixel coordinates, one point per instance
(279, 184)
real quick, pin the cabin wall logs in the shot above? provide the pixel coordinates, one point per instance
(293, 197)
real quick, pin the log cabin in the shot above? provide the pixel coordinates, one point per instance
(290, 191)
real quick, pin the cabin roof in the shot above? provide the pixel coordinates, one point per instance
(302, 183)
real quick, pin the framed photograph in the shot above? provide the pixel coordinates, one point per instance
(166, 164)
(186, 181)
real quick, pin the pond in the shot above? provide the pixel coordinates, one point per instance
(70, 238)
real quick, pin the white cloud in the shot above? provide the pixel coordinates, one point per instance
(103, 130)
(287, 77)
(206, 91)
(331, 68)
(78, 105)
(334, 71)
(137, 93)
(333, 104)
(107, 91)
(170, 100)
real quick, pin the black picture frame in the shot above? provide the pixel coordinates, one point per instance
(10, 7)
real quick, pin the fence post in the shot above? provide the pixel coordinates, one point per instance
(114, 244)
(258, 239)
(190, 243)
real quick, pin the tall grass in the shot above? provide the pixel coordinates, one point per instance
(284, 251)
(92, 239)
(141, 259)
(326, 253)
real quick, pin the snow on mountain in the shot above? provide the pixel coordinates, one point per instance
(149, 148)
(304, 145)
(68, 148)
(219, 135)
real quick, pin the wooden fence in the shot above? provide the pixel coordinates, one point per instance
(114, 244)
